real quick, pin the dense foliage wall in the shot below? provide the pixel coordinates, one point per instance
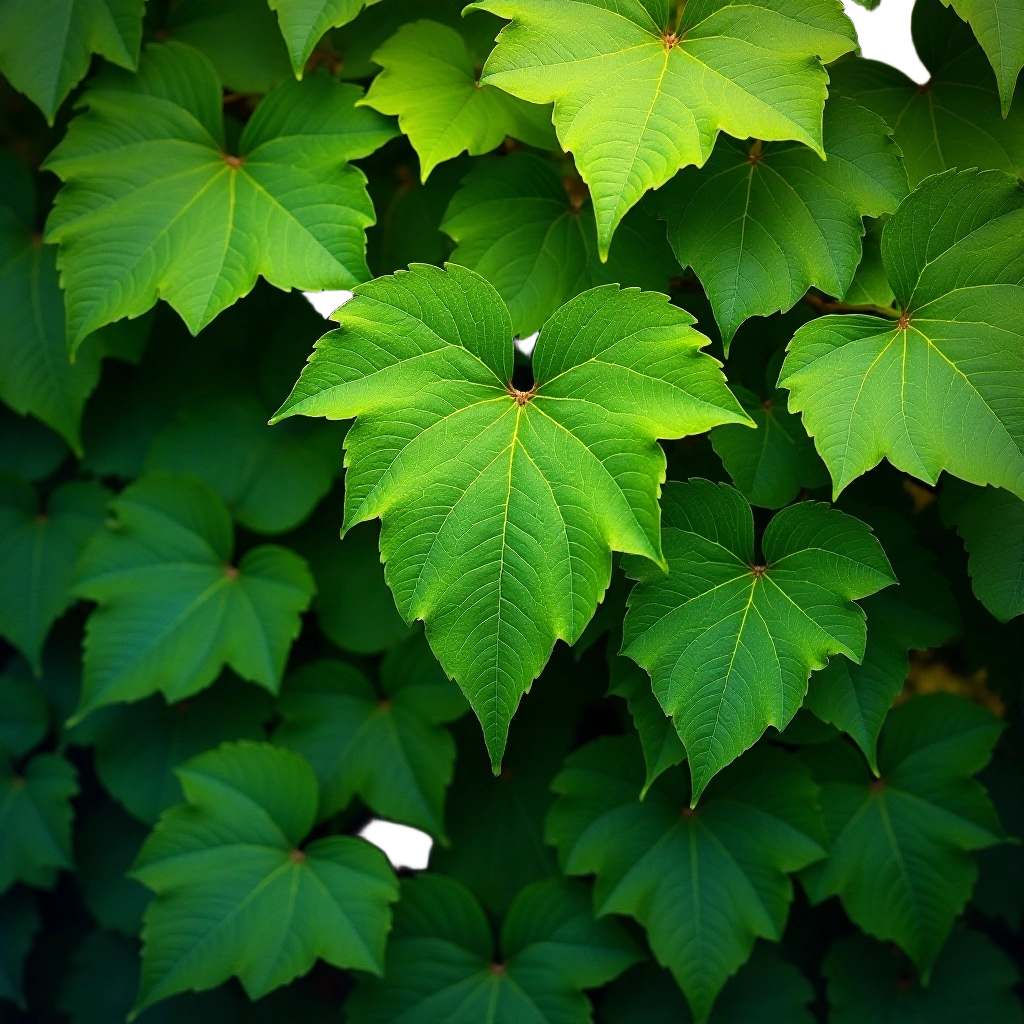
(689, 629)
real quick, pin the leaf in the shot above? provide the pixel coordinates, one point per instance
(704, 884)
(999, 28)
(271, 478)
(900, 857)
(917, 614)
(429, 82)
(45, 55)
(35, 820)
(641, 90)
(991, 523)
(137, 747)
(761, 223)
(940, 388)
(730, 639)
(238, 894)
(532, 235)
(27, 448)
(191, 223)
(38, 553)
(303, 22)
(442, 963)
(765, 989)
(973, 980)
(24, 716)
(173, 608)
(869, 286)
(19, 922)
(772, 465)
(387, 747)
(954, 121)
(501, 507)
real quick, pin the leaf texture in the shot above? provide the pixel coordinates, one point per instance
(303, 22)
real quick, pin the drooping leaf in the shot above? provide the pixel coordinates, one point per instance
(137, 747)
(769, 466)
(642, 89)
(173, 608)
(501, 507)
(765, 989)
(939, 388)
(917, 614)
(38, 554)
(730, 639)
(35, 820)
(428, 81)
(900, 845)
(991, 523)
(952, 121)
(999, 28)
(704, 884)
(532, 235)
(973, 980)
(24, 716)
(303, 23)
(442, 963)
(760, 223)
(19, 922)
(237, 892)
(46, 52)
(192, 223)
(388, 747)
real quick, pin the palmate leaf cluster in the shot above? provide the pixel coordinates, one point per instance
(647, 528)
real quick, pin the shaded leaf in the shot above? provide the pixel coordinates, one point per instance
(24, 716)
(19, 922)
(999, 27)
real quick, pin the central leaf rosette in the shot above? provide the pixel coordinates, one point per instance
(500, 506)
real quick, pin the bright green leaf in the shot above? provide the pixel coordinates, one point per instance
(442, 963)
(642, 89)
(155, 207)
(705, 884)
(303, 22)
(730, 639)
(173, 608)
(19, 922)
(501, 507)
(24, 716)
(999, 27)
(532, 235)
(941, 388)
(237, 892)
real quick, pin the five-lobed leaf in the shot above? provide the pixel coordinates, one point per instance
(501, 507)
(642, 89)
(173, 609)
(730, 641)
(238, 892)
(154, 206)
(942, 387)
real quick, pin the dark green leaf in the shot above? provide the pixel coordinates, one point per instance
(19, 922)
(24, 716)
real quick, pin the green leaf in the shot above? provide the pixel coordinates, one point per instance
(38, 554)
(442, 963)
(772, 465)
(429, 82)
(19, 922)
(761, 223)
(532, 235)
(953, 121)
(869, 286)
(347, 729)
(27, 448)
(24, 716)
(900, 858)
(45, 53)
(940, 388)
(642, 89)
(501, 507)
(271, 478)
(973, 980)
(991, 523)
(139, 746)
(173, 609)
(729, 639)
(303, 22)
(999, 27)
(766, 989)
(917, 614)
(704, 884)
(190, 223)
(237, 892)
(35, 820)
